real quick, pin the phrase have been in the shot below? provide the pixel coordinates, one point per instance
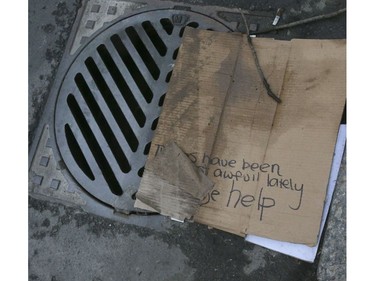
(235, 177)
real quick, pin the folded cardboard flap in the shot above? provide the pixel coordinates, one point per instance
(270, 162)
(172, 185)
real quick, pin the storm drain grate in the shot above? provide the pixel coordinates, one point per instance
(110, 99)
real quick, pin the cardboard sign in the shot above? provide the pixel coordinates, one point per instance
(270, 162)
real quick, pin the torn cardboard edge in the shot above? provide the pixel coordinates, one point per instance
(301, 251)
(172, 185)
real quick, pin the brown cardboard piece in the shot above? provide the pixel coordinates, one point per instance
(270, 162)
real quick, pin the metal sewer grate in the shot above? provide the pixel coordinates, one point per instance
(110, 100)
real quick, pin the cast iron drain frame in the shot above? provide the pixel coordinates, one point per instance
(63, 177)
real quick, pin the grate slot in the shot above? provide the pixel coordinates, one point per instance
(167, 25)
(140, 171)
(112, 104)
(191, 24)
(155, 38)
(147, 148)
(102, 123)
(155, 124)
(143, 52)
(132, 67)
(168, 77)
(121, 84)
(77, 153)
(94, 146)
(175, 53)
(161, 100)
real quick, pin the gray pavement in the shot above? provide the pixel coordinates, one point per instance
(66, 243)
(332, 262)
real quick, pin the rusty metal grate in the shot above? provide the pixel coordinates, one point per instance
(110, 99)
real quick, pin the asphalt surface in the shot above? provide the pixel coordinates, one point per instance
(66, 243)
